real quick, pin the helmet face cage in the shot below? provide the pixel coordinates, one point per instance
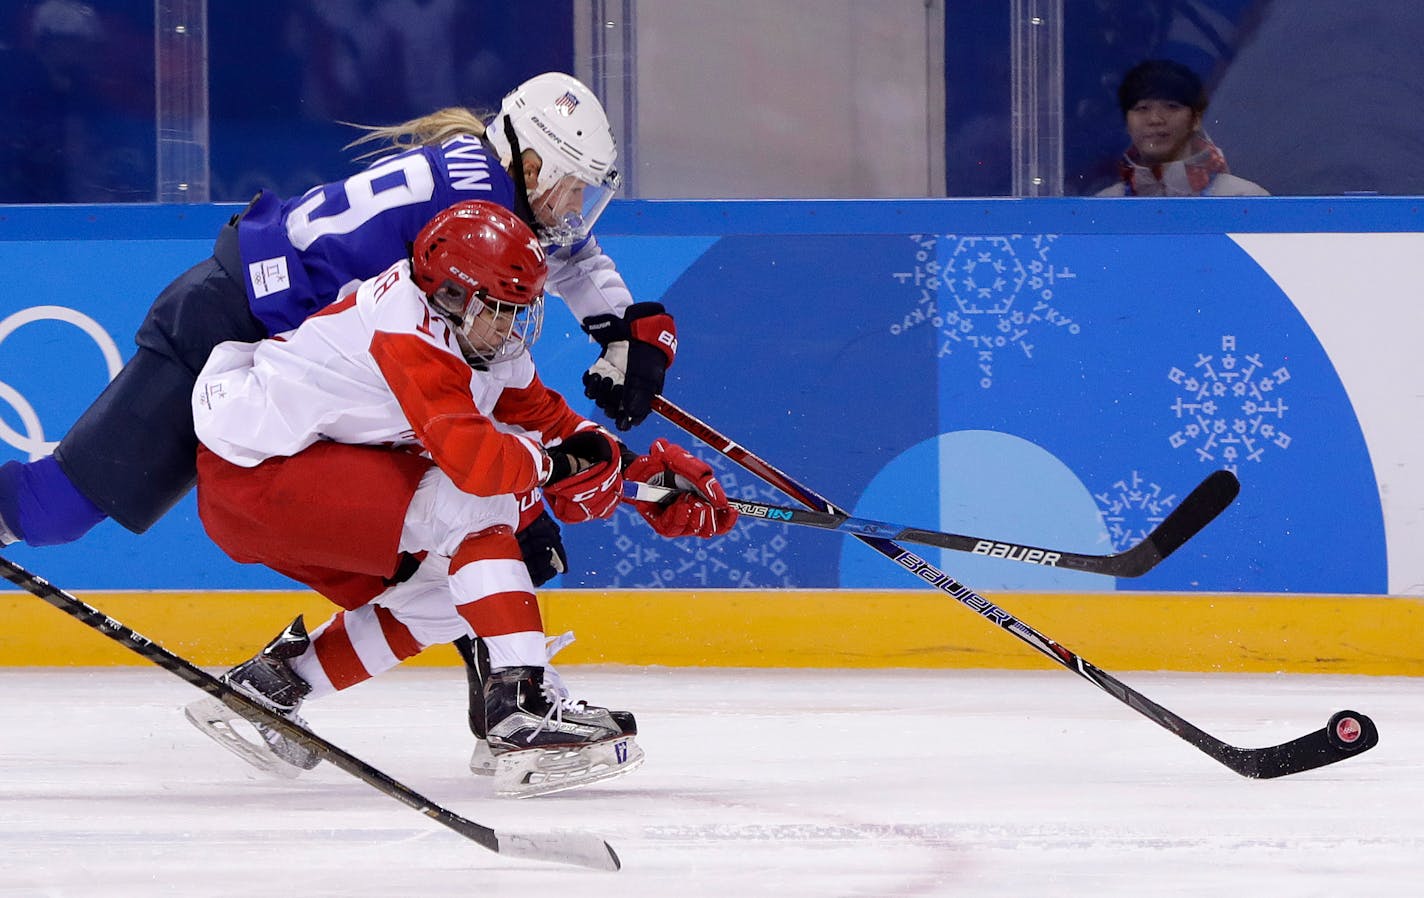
(483, 271)
(491, 330)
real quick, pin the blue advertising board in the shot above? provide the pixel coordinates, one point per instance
(1056, 372)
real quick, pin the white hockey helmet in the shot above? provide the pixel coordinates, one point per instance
(559, 118)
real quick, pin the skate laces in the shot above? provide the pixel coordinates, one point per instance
(556, 693)
(552, 646)
(559, 702)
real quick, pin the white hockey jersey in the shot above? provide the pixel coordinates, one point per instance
(378, 367)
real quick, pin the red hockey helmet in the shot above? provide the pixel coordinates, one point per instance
(484, 271)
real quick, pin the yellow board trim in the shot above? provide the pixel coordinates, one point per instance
(1381, 635)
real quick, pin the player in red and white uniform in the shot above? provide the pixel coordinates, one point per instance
(375, 453)
(548, 154)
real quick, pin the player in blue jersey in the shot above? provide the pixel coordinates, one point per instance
(131, 455)
(548, 155)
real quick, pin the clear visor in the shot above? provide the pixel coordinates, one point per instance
(493, 330)
(567, 207)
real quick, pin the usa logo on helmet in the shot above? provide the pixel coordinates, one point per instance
(567, 103)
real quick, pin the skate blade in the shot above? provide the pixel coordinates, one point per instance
(482, 762)
(544, 771)
(215, 720)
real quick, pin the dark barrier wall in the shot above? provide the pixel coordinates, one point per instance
(1306, 94)
(78, 109)
(1058, 372)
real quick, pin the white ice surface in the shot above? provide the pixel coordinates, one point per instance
(758, 783)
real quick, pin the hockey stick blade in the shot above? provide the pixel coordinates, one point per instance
(577, 849)
(1348, 733)
(1201, 506)
(1209, 499)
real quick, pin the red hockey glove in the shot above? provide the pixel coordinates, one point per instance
(701, 510)
(637, 351)
(587, 479)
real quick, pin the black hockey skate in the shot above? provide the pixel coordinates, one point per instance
(267, 679)
(542, 741)
(477, 669)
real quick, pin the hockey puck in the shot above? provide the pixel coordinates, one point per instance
(1351, 731)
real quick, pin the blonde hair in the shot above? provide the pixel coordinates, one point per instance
(428, 130)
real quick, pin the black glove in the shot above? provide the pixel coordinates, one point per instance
(583, 450)
(542, 545)
(587, 479)
(637, 351)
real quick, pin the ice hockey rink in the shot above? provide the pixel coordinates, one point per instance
(758, 782)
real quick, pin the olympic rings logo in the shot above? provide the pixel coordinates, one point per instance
(32, 441)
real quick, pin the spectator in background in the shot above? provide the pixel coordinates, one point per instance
(77, 104)
(1162, 103)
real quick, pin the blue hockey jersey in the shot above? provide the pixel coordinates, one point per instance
(301, 254)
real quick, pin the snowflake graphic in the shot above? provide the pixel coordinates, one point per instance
(748, 556)
(1230, 405)
(989, 294)
(1132, 507)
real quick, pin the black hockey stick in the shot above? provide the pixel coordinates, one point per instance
(578, 849)
(1348, 733)
(1201, 506)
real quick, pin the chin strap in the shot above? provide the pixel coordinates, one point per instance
(522, 207)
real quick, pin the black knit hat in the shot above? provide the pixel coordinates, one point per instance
(1161, 79)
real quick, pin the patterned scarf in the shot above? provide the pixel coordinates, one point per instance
(1185, 177)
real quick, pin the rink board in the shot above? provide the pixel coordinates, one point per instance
(806, 628)
(1013, 368)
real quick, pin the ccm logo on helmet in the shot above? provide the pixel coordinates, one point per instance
(462, 276)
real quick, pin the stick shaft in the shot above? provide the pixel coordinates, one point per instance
(1203, 504)
(569, 848)
(1304, 753)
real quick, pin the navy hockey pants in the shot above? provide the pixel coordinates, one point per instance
(133, 453)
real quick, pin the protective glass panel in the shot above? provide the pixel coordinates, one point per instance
(1305, 96)
(286, 74)
(190, 100)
